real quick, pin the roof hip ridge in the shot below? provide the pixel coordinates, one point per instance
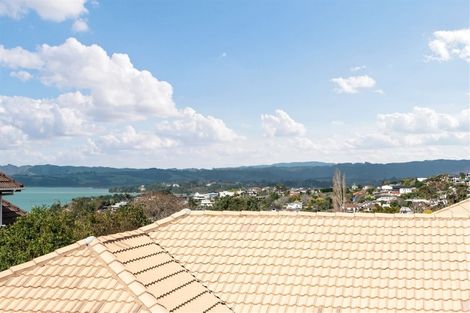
(166, 220)
(128, 279)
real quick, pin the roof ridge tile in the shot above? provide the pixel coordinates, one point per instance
(166, 220)
(125, 276)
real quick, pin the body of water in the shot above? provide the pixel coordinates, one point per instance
(37, 196)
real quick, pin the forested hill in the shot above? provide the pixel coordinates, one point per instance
(293, 174)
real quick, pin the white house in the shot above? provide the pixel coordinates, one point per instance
(226, 194)
(405, 190)
(206, 203)
(294, 206)
(199, 196)
(386, 188)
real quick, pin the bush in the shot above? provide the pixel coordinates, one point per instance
(45, 229)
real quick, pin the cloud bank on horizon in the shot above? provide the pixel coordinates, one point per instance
(107, 111)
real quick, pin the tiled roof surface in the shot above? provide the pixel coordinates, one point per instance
(10, 212)
(324, 262)
(75, 281)
(125, 272)
(459, 209)
(9, 183)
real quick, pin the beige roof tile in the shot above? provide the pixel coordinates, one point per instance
(324, 262)
(100, 275)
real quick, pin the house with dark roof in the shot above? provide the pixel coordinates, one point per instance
(8, 186)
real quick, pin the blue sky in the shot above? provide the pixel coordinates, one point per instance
(252, 82)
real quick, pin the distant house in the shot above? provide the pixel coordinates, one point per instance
(294, 206)
(206, 203)
(405, 190)
(8, 186)
(10, 212)
(198, 196)
(226, 194)
(386, 188)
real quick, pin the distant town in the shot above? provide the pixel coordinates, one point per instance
(410, 195)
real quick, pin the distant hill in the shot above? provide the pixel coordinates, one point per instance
(292, 174)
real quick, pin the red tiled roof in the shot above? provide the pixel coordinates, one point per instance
(7, 183)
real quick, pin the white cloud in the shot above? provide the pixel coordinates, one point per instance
(448, 44)
(130, 139)
(51, 10)
(19, 58)
(192, 126)
(419, 128)
(21, 75)
(41, 118)
(353, 84)
(281, 125)
(424, 120)
(80, 25)
(10, 137)
(118, 89)
(110, 102)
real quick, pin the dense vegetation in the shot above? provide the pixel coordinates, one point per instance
(300, 174)
(46, 229)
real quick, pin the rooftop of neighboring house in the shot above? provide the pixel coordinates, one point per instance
(9, 184)
(10, 212)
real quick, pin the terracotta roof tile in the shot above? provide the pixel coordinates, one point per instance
(7, 183)
(325, 262)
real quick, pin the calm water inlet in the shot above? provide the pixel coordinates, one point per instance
(38, 196)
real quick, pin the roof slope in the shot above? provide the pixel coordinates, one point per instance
(126, 272)
(10, 212)
(306, 262)
(7, 183)
(461, 208)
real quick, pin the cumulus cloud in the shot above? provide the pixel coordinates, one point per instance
(281, 125)
(80, 26)
(51, 10)
(192, 126)
(41, 118)
(353, 84)
(424, 120)
(446, 45)
(131, 139)
(19, 58)
(118, 89)
(420, 127)
(10, 137)
(107, 99)
(21, 75)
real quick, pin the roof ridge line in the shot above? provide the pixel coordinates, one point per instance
(129, 280)
(16, 269)
(166, 220)
(326, 214)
